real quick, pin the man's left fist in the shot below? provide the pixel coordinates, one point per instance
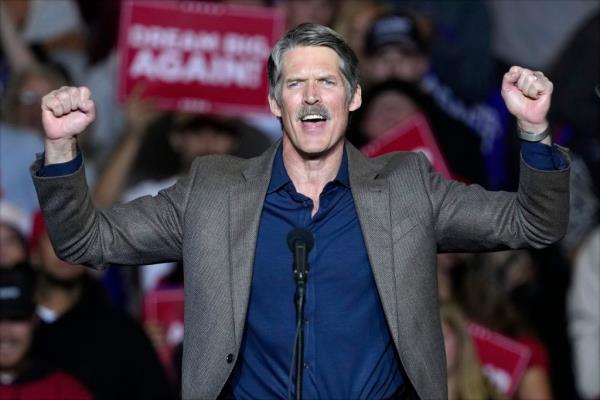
(527, 96)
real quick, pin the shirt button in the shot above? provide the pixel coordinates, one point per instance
(229, 358)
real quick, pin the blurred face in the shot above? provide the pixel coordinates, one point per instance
(15, 338)
(190, 145)
(358, 25)
(12, 249)
(54, 266)
(321, 12)
(395, 62)
(387, 111)
(314, 104)
(29, 101)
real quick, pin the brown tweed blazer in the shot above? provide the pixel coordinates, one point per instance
(210, 220)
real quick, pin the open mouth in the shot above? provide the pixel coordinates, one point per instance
(313, 118)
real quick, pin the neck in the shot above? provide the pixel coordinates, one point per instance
(58, 298)
(310, 175)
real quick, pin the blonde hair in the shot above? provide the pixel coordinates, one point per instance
(470, 381)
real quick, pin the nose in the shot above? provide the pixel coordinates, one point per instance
(311, 94)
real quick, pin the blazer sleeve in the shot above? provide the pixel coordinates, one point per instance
(470, 218)
(144, 231)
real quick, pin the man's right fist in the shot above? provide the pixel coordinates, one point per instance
(66, 112)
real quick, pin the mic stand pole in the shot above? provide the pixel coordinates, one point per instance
(300, 275)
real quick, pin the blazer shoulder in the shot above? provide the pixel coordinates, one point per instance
(220, 166)
(399, 161)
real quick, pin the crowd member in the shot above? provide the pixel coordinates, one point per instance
(14, 230)
(229, 218)
(489, 289)
(465, 377)
(81, 333)
(323, 12)
(22, 377)
(584, 316)
(461, 52)
(577, 107)
(398, 45)
(391, 103)
(53, 31)
(355, 19)
(20, 131)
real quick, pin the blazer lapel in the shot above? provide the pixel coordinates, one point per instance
(245, 204)
(372, 201)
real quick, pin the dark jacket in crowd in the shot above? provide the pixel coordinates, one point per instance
(104, 348)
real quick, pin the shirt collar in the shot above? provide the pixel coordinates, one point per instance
(280, 177)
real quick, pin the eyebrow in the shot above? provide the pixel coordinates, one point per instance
(299, 79)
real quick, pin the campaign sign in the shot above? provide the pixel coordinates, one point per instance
(197, 57)
(413, 134)
(165, 308)
(503, 360)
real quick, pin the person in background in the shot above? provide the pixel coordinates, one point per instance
(22, 377)
(397, 45)
(391, 103)
(14, 230)
(584, 316)
(21, 130)
(323, 12)
(355, 19)
(82, 333)
(490, 289)
(465, 378)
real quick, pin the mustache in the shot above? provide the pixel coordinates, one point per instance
(317, 109)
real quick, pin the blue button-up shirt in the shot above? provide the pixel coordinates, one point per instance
(348, 350)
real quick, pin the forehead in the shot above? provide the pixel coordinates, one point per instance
(310, 60)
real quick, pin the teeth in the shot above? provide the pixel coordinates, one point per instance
(313, 117)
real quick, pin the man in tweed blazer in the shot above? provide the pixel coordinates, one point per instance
(211, 218)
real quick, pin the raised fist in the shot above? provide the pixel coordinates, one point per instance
(66, 112)
(527, 95)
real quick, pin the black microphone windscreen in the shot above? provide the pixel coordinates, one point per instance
(300, 234)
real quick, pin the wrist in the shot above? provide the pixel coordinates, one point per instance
(535, 132)
(532, 127)
(60, 150)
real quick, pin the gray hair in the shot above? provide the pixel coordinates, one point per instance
(309, 34)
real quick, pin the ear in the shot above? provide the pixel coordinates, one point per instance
(275, 110)
(356, 100)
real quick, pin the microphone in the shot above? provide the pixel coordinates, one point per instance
(300, 241)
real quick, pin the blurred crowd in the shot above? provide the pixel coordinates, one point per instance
(69, 332)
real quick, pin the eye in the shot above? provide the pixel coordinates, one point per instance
(327, 82)
(293, 84)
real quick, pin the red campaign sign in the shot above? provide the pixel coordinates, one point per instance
(165, 308)
(503, 360)
(198, 57)
(413, 134)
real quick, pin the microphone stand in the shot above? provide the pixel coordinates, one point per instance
(300, 276)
